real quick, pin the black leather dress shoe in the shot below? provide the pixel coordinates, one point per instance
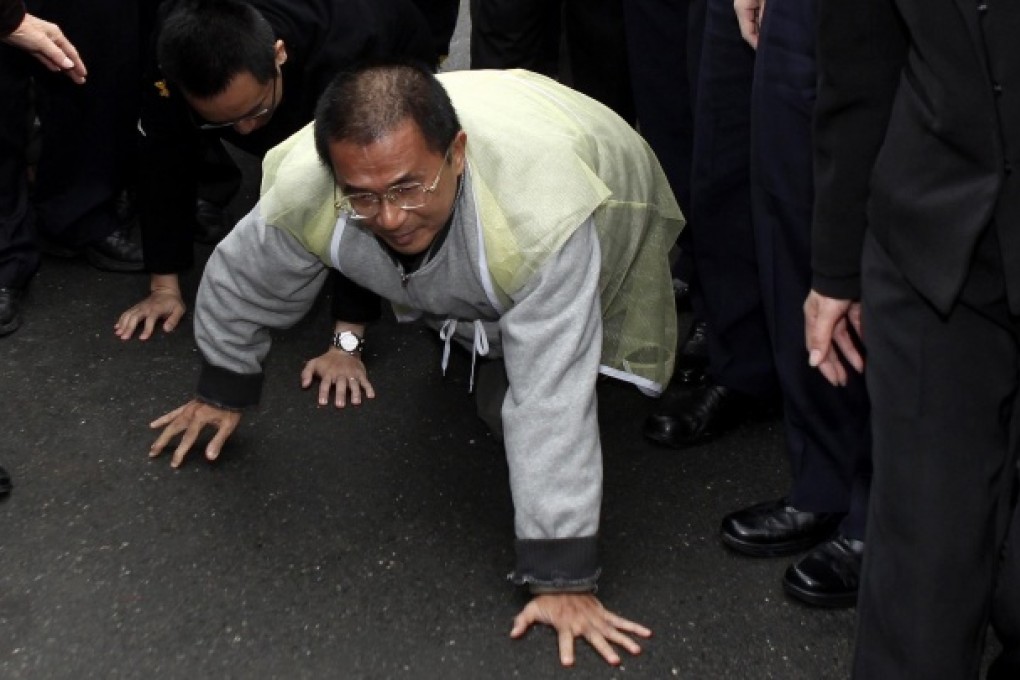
(115, 253)
(211, 223)
(9, 317)
(692, 359)
(827, 576)
(695, 416)
(775, 528)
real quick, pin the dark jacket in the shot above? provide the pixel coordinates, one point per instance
(917, 134)
(321, 38)
(12, 12)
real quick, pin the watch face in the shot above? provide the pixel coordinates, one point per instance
(349, 342)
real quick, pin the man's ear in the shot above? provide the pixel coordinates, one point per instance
(280, 53)
(457, 151)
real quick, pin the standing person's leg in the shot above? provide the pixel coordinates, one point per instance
(441, 16)
(88, 132)
(944, 405)
(726, 272)
(1006, 610)
(827, 430)
(656, 32)
(19, 255)
(515, 34)
(597, 46)
(659, 78)
(722, 236)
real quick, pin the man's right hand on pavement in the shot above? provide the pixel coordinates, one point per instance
(190, 420)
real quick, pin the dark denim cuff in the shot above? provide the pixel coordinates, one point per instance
(226, 389)
(557, 564)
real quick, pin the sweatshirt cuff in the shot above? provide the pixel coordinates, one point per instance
(557, 565)
(837, 287)
(226, 389)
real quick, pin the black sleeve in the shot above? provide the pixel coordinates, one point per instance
(351, 302)
(169, 156)
(861, 48)
(12, 13)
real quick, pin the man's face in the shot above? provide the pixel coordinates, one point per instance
(398, 159)
(246, 104)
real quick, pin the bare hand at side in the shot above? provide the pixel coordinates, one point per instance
(827, 323)
(749, 14)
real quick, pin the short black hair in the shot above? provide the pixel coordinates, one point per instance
(204, 44)
(365, 103)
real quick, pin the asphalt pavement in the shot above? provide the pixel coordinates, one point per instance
(366, 543)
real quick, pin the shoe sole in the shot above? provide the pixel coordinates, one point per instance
(825, 601)
(770, 550)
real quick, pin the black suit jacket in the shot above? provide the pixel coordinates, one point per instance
(917, 134)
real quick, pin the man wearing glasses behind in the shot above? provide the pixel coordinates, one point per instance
(249, 72)
(527, 222)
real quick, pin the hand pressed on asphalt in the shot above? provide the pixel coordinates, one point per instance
(190, 419)
(575, 615)
(341, 371)
(158, 305)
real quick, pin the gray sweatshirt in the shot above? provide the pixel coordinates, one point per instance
(550, 336)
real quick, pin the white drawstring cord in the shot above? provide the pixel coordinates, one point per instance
(480, 346)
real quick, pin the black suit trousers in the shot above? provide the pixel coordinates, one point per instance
(827, 428)
(526, 34)
(88, 138)
(946, 422)
(721, 235)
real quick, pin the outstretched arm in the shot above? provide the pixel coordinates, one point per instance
(258, 278)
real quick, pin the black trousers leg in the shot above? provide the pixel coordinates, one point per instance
(597, 45)
(88, 130)
(516, 34)
(722, 238)
(945, 415)
(827, 428)
(657, 55)
(441, 16)
(19, 256)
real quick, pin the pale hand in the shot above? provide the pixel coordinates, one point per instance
(341, 372)
(575, 615)
(160, 304)
(46, 42)
(827, 323)
(190, 420)
(749, 14)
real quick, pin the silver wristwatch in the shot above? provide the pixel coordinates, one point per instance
(349, 342)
